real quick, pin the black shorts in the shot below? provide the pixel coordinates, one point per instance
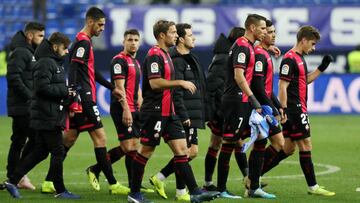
(88, 120)
(155, 126)
(216, 124)
(191, 136)
(236, 120)
(274, 130)
(125, 132)
(297, 127)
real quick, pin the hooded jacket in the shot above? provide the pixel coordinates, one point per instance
(187, 105)
(19, 75)
(216, 76)
(49, 90)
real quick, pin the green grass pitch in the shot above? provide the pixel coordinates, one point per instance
(336, 146)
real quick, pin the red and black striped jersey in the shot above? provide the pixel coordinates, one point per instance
(264, 68)
(127, 68)
(157, 64)
(294, 70)
(241, 55)
(83, 75)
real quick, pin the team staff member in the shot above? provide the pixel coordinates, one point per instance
(47, 113)
(157, 115)
(20, 82)
(294, 78)
(82, 73)
(189, 107)
(125, 74)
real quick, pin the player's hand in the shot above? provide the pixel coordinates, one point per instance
(120, 95)
(278, 118)
(275, 50)
(188, 86)
(127, 118)
(71, 114)
(283, 115)
(325, 62)
(187, 123)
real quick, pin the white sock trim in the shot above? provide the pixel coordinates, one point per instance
(160, 176)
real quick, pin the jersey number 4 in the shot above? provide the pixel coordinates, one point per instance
(158, 126)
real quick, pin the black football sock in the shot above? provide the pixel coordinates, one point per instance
(180, 183)
(210, 162)
(223, 165)
(113, 154)
(256, 163)
(129, 157)
(307, 167)
(278, 158)
(269, 157)
(241, 161)
(168, 169)
(183, 170)
(105, 164)
(139, 163)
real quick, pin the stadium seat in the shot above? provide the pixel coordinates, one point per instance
(51, 11)
(52, 26)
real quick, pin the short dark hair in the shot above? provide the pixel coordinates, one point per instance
(59, 38)
(309, 33)
(161, 26)
(95, 13)
(235, 33)
(253, 19)
(32, 26)
(269, 23)
(180, 29)
(131, 32)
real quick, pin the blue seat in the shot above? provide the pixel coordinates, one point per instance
(51, 11)
(70, 27)
(52, 26)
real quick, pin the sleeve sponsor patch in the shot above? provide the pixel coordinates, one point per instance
(154, 67)
(80, 52)
(285, 69)
(241, 58)
(117, 69)
(258, 66)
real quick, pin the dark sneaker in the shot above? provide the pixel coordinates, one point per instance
(12, 189)
(67, 195)
(210, 188)
(137, 197)
(204, 196)
(2, 186)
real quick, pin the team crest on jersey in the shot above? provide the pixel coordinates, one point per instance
(241, 58)
(285, 69)
(154, 67)
(80, 52)
(117, 68)
(258, 66)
